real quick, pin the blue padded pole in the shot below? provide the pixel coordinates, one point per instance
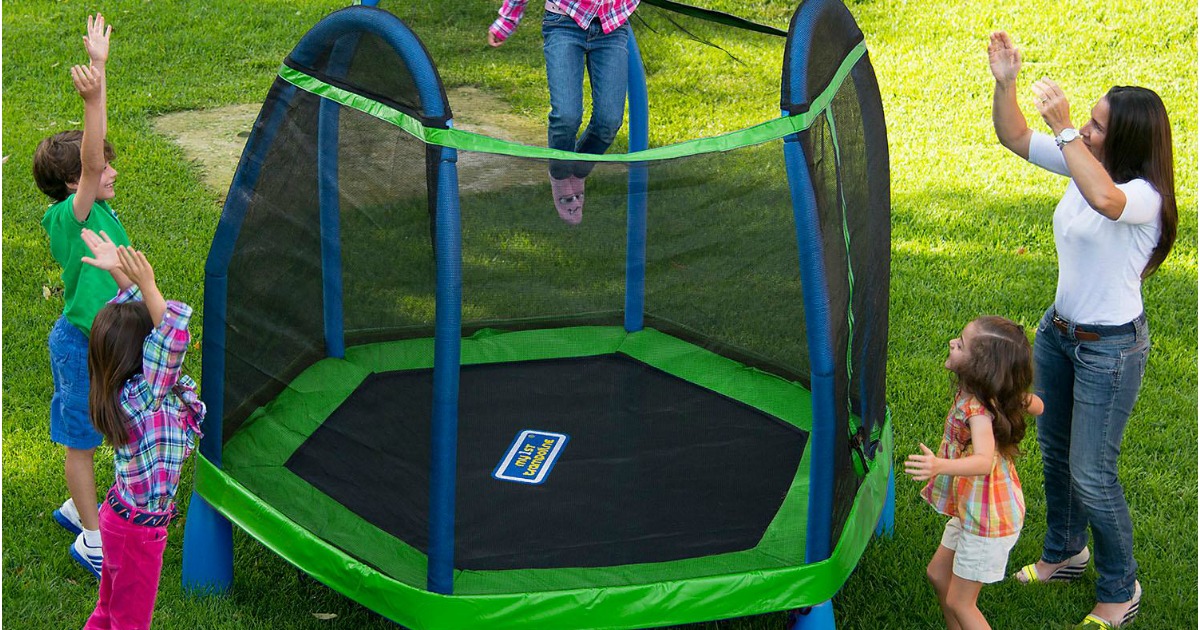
(820, 348)
(208, 536)
(447, 324)
(446, 357)
(819, 617)
(330, 199)
(388, 28)
(639, 140)
(887, 518)
(816, 296)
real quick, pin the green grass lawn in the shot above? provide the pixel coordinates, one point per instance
(971, 235)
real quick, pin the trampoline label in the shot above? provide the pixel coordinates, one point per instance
(530, 457)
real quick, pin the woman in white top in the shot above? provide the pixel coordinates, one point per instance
(1113, 227)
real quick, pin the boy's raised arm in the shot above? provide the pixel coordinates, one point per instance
(91, 84)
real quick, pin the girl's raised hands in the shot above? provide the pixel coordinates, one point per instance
(135, 265)
(1004, 57)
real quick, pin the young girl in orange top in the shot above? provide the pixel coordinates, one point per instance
(972, 479)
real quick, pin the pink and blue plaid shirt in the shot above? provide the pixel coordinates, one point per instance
(612, 14)
(164, 410)
(990, 505)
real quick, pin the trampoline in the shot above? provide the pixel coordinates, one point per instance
(435, 397)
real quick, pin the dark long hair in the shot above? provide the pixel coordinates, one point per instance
(999, 373)
(1137, 144)
(115, 356)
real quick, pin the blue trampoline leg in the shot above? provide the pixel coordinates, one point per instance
(819, 617)
(887, 519)
(207, 549)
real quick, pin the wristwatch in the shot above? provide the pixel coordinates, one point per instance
(1065, 136)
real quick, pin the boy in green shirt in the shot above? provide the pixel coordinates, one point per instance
(73, 168)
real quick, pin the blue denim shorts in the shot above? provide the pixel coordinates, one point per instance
(70, 423)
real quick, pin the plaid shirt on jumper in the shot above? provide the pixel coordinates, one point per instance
(164, 411)
(990, 505)
(612, 14)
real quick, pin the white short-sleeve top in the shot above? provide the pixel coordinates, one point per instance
(1100, 260)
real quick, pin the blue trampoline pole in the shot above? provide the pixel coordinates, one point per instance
(639, 140)
(821, 443)
(208, 536)
(446, 358)
(816, 307)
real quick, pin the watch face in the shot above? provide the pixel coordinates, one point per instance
(1069, 134)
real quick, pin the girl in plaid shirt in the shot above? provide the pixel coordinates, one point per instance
(972, 479)
(149, 412)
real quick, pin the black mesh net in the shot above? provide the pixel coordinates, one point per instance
(721, 264)
(846, 148)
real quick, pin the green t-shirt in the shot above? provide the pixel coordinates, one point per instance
(86, 289)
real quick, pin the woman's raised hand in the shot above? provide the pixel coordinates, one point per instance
(1052, 104)
(1004, 57)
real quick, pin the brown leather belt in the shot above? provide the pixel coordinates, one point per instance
(1081, 335)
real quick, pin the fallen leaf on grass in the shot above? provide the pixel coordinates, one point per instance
(45, 292)
(325, 616)
(1020, 251)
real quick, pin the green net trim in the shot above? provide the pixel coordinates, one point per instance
(467, 141)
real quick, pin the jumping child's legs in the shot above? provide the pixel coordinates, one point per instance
(975, 560)
(563, 44)
(608, 74)
(961, 599)
(939, 572)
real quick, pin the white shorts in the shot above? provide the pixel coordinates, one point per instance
(977, 558)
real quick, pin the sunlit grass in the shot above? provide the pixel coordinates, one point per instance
(971, 235)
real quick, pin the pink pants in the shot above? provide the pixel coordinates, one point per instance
(129, 576)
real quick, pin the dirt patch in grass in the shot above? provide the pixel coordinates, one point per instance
(213, 139)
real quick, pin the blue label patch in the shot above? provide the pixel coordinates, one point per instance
(530, 457)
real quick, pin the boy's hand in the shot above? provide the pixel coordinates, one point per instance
(104, 251)
(96, 40)
(89, 82)
(922, 467)
(135, 265)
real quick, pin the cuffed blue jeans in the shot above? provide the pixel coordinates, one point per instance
(1089, 388)
(568, 49)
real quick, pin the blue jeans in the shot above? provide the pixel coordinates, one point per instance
(1089, 388)
(568, 49)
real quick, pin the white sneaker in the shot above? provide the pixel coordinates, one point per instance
(90, 557)
(68, 517)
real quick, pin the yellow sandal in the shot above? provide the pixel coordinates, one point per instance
(1065, 573)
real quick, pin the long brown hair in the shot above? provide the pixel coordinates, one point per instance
(1137, 144)
(115, 356)
(999, 372)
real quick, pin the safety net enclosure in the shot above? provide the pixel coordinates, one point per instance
(433, 395)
